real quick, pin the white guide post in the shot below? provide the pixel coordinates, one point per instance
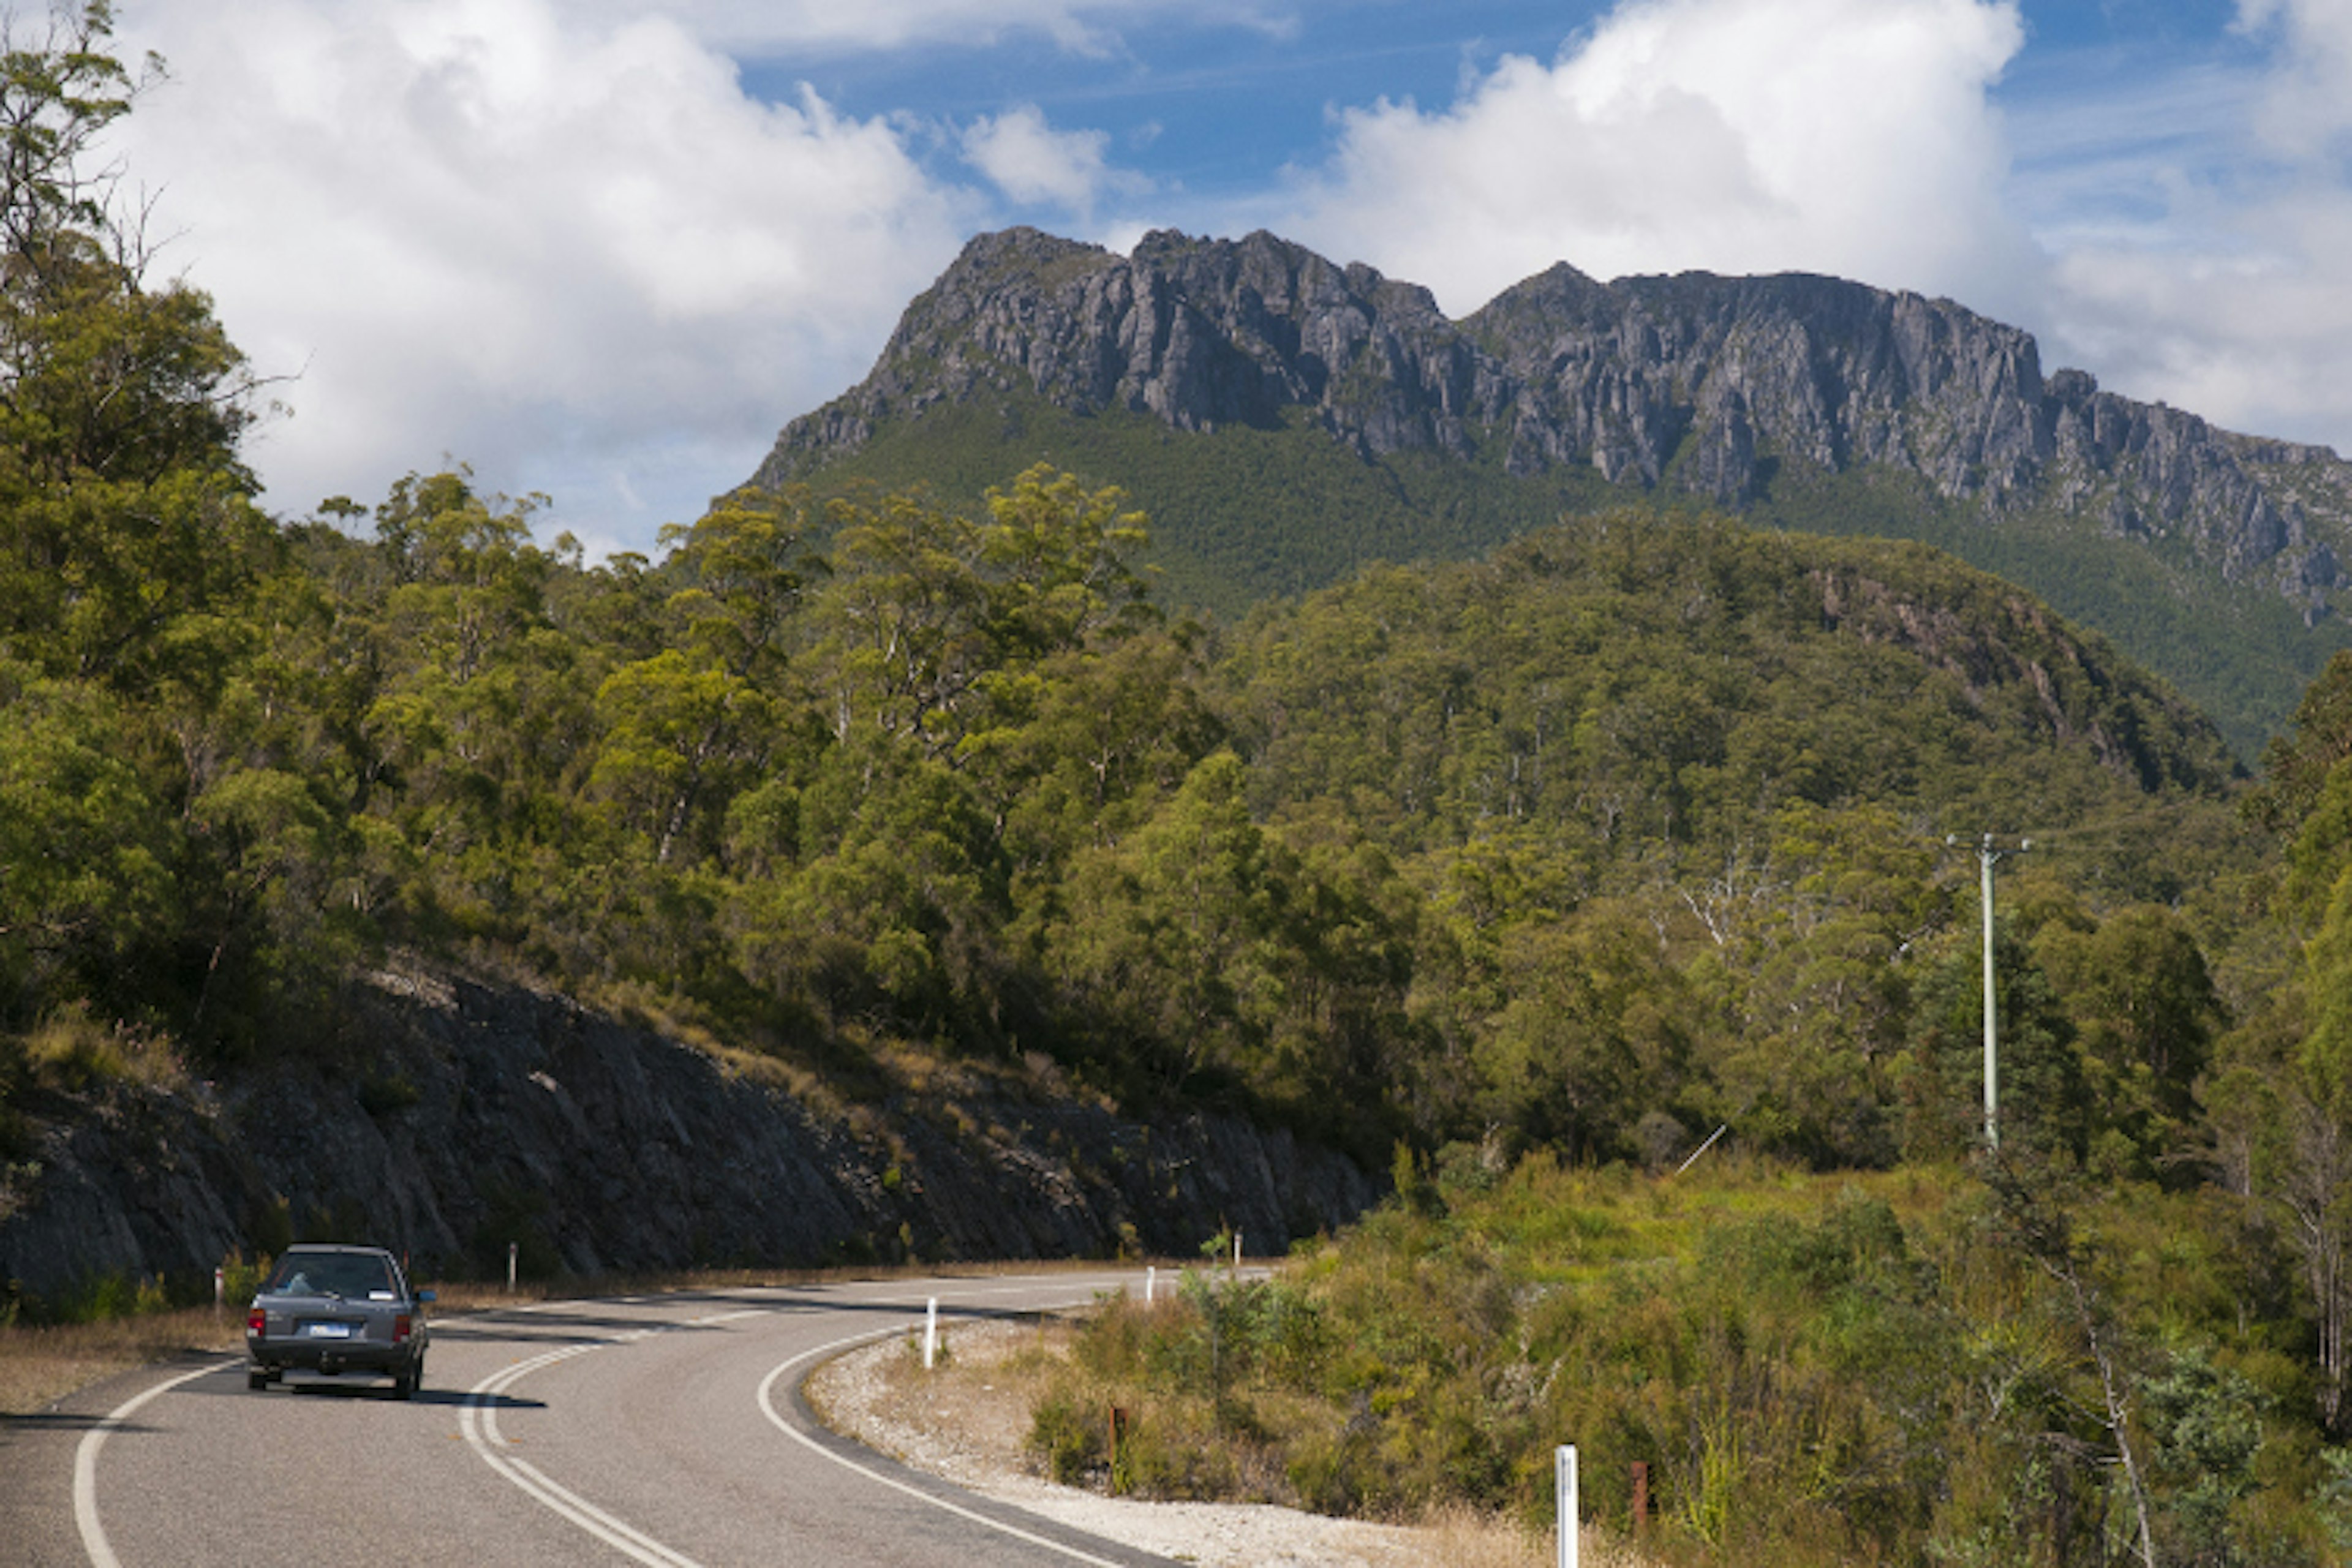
(930, 1334)
(1151, 1283)
(1991, 1012)
(1563, 1460)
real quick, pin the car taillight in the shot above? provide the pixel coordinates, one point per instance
(257, 1323)
(400, 1329)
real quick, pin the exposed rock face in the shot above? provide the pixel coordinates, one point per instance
(491, 1114)
(1694, 382)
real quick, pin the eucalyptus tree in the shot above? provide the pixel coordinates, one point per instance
(123, 503)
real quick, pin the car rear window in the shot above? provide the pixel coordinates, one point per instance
(329, 1274)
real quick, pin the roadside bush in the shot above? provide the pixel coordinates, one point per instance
(1860, 1370)
(1070, 1436)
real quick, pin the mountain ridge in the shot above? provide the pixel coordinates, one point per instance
(1721, 390)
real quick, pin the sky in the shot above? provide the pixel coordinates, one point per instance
(603, 250)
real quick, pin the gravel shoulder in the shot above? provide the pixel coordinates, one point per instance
(967, 1421)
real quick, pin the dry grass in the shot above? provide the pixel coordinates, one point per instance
(1465, 1538)
(70, 1050)
(39, 1367)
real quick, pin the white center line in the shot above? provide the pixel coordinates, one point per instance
(478, 1420)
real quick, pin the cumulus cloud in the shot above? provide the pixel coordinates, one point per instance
(2305, 107)
(1844, 136)
(2232, 294)
(581, 258)
(758, 27)
(1034, 164)
(557, 238)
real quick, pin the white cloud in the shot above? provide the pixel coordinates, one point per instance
(556, 238)
(2232, 295)
(2306, 107)
(1845, 136)
(580, 257)
(2186, 235)
(758, 27)
(1035, 164)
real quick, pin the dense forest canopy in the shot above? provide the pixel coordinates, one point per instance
(1635, 829)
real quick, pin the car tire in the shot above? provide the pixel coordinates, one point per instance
(257, 1380)
(404, 1384)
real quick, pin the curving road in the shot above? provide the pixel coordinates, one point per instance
(663, 1430)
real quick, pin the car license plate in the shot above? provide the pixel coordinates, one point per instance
(328, 1331)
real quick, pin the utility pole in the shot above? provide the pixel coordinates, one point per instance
(1988, 851)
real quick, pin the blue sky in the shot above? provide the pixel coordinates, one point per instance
(604, 248)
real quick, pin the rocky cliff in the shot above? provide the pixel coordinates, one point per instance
(465, 1116)
(1696, 384)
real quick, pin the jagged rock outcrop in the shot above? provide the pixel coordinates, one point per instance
(485, 1114)
(1698, 384)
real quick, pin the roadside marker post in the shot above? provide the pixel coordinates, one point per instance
(1151, 1283)
(1563, 1460)
(930, 1334)
(510, 1266)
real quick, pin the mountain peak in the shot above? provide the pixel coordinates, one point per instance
(1720, 387)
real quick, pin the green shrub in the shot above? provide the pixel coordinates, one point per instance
(1070, 1438)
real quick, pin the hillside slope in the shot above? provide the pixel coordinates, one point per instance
(455, 1116)
(1329, 416)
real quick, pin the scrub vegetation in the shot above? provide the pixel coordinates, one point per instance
(1927, 1364)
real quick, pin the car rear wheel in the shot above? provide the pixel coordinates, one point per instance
(256, 1379)
(404, 1384)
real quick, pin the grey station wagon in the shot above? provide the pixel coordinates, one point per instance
(338, 1311)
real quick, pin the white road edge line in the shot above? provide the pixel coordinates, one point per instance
(768, 1408)
(85, 1482)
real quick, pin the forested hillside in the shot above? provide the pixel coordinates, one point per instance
(1632, 829)
(1357, 867)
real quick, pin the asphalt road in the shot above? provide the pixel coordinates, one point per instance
(664, 1430)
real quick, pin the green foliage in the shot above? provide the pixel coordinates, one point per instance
(2238, 650)
(1244, 514)
(1825, 1371)
(1071, 1439)
(1231, 509)
(1517, 875)
(122, 506)
(1621, 835)
(85, 852)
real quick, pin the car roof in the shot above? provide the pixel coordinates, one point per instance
(339, 1247)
